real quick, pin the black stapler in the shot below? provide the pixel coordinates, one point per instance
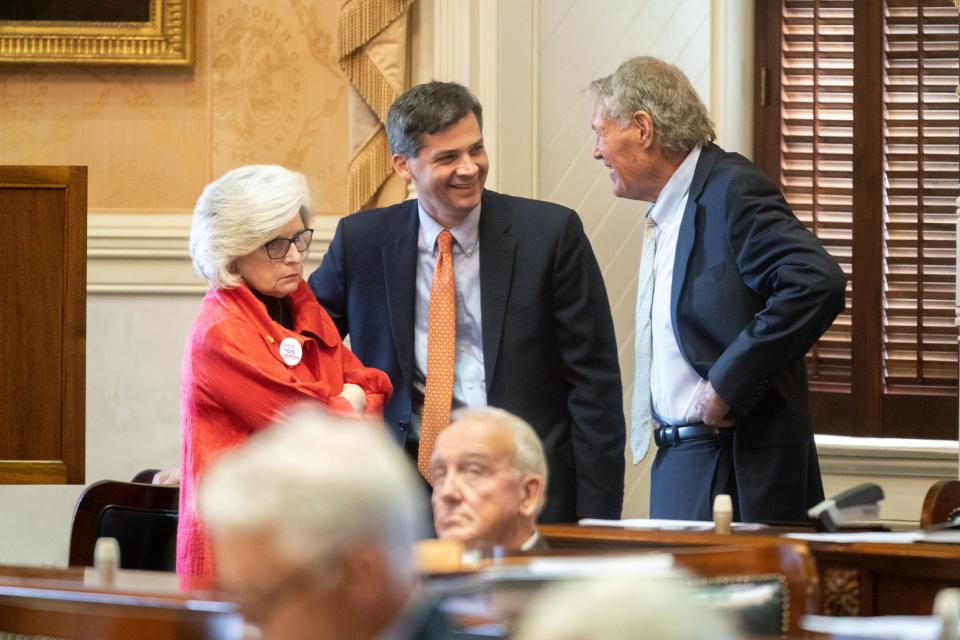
(853, 506)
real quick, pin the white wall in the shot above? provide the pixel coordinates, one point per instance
(134, 346)
(577, 44)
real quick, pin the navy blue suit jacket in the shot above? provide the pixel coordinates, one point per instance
(548, 342)
(752, 291)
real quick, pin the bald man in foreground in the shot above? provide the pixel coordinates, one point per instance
(489, 481)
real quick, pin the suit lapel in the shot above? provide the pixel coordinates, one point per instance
(497, 248)
(399, 254)
(687, 235)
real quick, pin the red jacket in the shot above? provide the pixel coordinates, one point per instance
(235, 381)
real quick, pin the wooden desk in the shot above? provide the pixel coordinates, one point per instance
(861, 579)
(72, 604)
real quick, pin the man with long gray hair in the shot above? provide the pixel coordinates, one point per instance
(733, 291)
(467, 297)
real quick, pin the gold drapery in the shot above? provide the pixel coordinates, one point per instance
(373, 54)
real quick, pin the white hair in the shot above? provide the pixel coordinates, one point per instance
(317, 483)
(241, 211)
(622, 607)
(530, 456)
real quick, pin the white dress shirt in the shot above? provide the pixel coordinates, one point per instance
(469, 383)
(674, 385)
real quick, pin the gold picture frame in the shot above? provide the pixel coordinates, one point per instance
(164, 35)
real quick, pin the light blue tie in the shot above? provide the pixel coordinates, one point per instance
(641, 426)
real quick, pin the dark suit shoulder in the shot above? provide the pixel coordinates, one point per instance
(374, 222)
(525, 215)
(732, 173)
(521, 205)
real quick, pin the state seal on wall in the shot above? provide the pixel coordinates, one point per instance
(255, 81)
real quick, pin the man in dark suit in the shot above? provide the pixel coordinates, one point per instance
(519, 320)
(733, 292)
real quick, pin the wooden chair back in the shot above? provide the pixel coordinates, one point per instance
(941, 503)
(142, 517)
(784, 574)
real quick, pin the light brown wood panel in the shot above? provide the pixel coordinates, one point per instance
(858, 579)
(43, 212)
(73, 604)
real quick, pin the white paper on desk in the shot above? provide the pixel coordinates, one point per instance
(563, 568)
(572, 567)
(668, 525)
(894, 537)
(940, 536)
(878, 628)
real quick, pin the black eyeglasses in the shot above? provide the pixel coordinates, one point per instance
(278, 247)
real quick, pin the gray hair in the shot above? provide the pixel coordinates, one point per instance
(530, 456)
(648, 84)
(428, 108)
(238, 213)
(317, 483)
(622, 607)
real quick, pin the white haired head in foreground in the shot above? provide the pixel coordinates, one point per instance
(622, 607)
(313, 523)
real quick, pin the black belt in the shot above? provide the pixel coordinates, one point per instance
(666, 435)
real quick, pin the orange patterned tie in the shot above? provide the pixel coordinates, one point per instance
(441, 353)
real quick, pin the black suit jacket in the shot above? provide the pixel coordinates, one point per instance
(752, 291)
(548, 343)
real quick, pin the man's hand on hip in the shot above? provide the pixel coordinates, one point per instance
(712, 408)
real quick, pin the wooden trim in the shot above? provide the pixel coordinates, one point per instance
(148, 254)
(73, 451)
(913, 415)
(766, 78)
(33, 472)
(867, 370)
(831, 411)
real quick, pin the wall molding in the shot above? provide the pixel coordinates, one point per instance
(451, 41)
(148, 253)
(879, 457)
(731, 74)
(487, 63)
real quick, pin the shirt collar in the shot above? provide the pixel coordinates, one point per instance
(466, 233)
(531, 542)
(665, 210)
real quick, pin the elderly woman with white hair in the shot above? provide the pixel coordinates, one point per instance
(261, 342)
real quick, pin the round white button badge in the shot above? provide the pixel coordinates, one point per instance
(290, 351)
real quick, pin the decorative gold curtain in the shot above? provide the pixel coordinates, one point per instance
(373, 54)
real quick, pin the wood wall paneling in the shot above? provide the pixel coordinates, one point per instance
(43, 332)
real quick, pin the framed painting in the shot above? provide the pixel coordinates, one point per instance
(143, 32)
